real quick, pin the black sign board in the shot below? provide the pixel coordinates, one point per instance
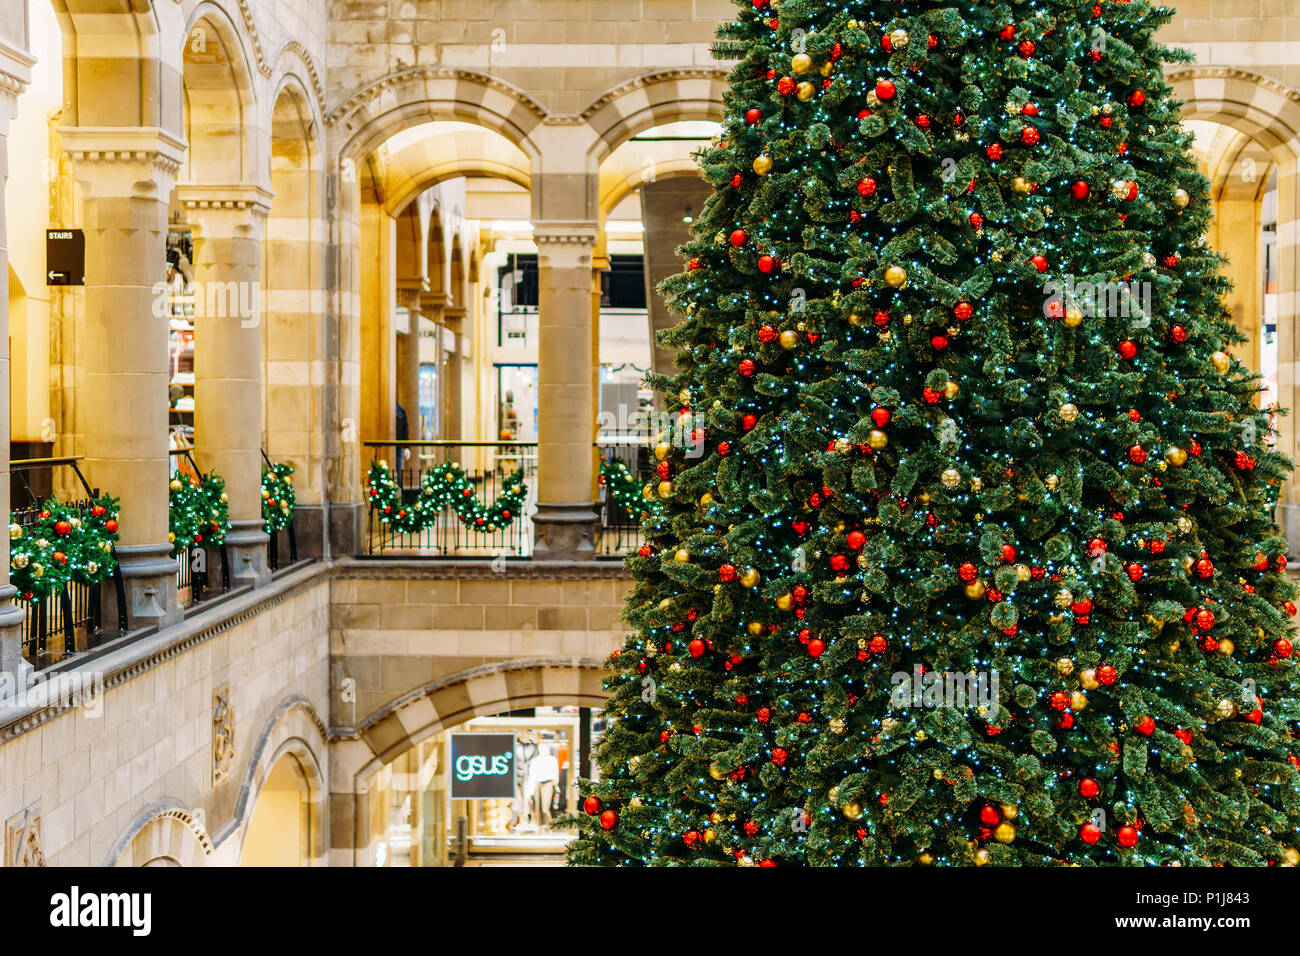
(482, 766)
(65, 257)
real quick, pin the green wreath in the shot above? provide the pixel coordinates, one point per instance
(278, 499)
(624, 488)
(198, 512)
(444, 486)
(65, 543)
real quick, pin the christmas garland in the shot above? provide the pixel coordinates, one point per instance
(277, 497)
(65, 543)
(197, 511)
(443, 486)
(624, 488)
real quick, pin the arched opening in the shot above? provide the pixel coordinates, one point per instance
(281, 829)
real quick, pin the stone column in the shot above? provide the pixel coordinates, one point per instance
(228, 224)
(566, 517)
(599, 267)
(15, 74)
(126, 175)
(455, 320)
(408, 364)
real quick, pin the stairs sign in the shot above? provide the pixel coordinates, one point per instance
(65, 257)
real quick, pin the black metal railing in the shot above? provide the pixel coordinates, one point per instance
(71, 621)
(273, 550)
(487, 464)
(196, 579)
(619, 532)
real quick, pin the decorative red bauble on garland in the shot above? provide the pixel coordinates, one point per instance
(739, 237)
(1137, 454)
(1184, 735)
(1205, 619)
(1178, 334)
(856, 540)
(1079, 190)
(591, 806)
(1135, 572)
(963, 311)
(1089, 833)
(748, 421)
(645, 551)
(1136, 99)
(1145, 726)
(1082, 608)
(1204, 567)
(990, 815)
(994, 151)
(976, 221)
(727, 572)
(1029, 136)
(881, 416)
(877, 644)
(1039, 262)
(110, 525)
(1088, 788)
(866, 186)
(1127, 349)
(766, 264)
(885, 89)
(939, 342)
(696, 648)
(931, 396)
(1059, 700)
(1026, 48)
(816, 646)
(752, 116)
(785, 86)
(1282, 647)
(1171, 261)
(62, 527)
(839, 562)
(779, 756)
(746, 368)
(767, 333)
(1106, 674)
(1127, 837)
(1008, 553)
(967, 572)
(609, 819)
(724, 448)
(923, 121)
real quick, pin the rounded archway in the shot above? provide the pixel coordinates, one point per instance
(281, 828)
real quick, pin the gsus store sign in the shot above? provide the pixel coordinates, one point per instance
(482, 766)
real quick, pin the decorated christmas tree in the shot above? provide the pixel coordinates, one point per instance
(964, 550)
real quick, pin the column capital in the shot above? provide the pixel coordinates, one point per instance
(111, 162)
(565, 232)
(225, 210)
(15, 75)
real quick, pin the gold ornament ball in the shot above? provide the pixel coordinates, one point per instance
(716, 771)
(662, 449)
(899, 38)
(950, 478)
(982, 857)
(1181, 199)
(762, 164)
(174, 484)
(805, 91)
(15, 532)
(785, 602)
(1068, 412)
(836, 725)
(1053, 482)
(1078, 700)
(665, 489)
(1225, 708)
(1226, 647)
(1290, 856)
(951, 390)
(1073, 317)
(755, 628)
(852, 810)
(1010, 811)
(1064, 666)
(789, 339)
(1088, 678)
(843, 446)
(1004, 832)
(684, 396)
(926, 858)
(710, 835)
(1183, 524)
(896, 276)
(877, 439)
(1175, 456)
(1064, 598)
(1022, 572)
(1020, 184)
(801, 63)
(975, 590)
(648, 492)
(706, 499)
(1221, 362)
(682, 556)
(750, 578)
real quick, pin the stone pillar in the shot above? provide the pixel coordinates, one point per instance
(15, 74)
(566, 517)
(599, 266)
(408, 364)
(455, 321)
(126, 176)
(228, 224)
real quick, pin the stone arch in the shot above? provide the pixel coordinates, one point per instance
(374, 113)
(616, 184)
(219, 100)
(478, 692)
(293, 730)
(653, 99)
(165, 833)
(1269, 113)
(451, 151)
(127, 89)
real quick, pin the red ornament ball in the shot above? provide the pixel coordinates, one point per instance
(746, 368)
(609, 819)
(1282, 647)
(1127, 349)
(591, 805)
(752, 116)
(1089, 833)
(766, 264)
(696, 648)
(885, 89)
(1088, 788)
(1145, 725)
(881, 416)
(866, 186)
(967, 572)
(1178, 334)
(1079, 190)
(1039, 262)
(856, 540)
(990, 815)
(1008, 553)
(1126, 837)
(816, 646)
(1106, 674)
(994, 151)
(1029, 135)
(739, 237)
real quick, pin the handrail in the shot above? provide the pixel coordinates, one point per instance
(20, 465)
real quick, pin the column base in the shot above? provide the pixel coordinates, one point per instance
(149, 576)
(565, 531)
(14, 668)
(309, 530)
(344, 528)
(246, 551)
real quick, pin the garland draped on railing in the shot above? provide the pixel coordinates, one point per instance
(443, 486)
(198, 511)
(65, 543)
(278, 499)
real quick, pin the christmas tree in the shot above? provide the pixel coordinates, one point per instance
(965, 550)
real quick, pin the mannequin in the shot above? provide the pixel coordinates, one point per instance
(543, 774)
